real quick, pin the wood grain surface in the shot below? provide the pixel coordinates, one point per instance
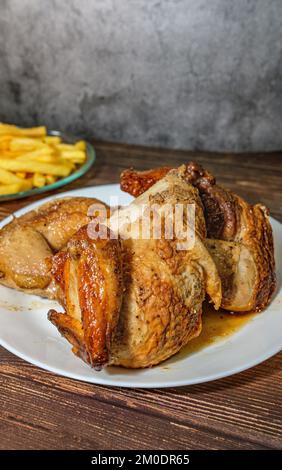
(40, 410)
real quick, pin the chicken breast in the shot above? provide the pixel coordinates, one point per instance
(155, 308)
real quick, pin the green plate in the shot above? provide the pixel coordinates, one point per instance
(80, 171)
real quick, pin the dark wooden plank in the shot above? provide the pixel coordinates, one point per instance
(202, 416)
(257, 177)
(41, 410)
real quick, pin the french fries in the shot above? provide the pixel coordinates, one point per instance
(52, 139)
(6, 189)
(39, 180)
(13, 188)
(28, 132)
(7, 177)
(29, 158)
(25, 143)
(31, 166)
(50, 179)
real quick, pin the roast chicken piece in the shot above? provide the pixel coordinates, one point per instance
(241, 241)
(131, 301)
(28, 243)
(89, 272)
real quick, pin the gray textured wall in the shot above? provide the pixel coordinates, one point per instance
(196, 74)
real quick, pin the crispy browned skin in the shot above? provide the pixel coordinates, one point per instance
(245, 260)
(28, 242)
(219, 205)
(247, 267)
(255, 234)
(137, 182)
(89, 273)
(162, 287)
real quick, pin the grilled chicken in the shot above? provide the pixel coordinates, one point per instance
(28, 243)
(131, 301)
(89, 273)
(240, 237)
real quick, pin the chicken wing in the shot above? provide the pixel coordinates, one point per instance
(89, 273)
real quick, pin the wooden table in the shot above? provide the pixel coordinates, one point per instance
(40, 410)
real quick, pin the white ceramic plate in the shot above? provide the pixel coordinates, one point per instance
(26, 332)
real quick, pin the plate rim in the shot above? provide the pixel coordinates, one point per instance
(124, 384)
